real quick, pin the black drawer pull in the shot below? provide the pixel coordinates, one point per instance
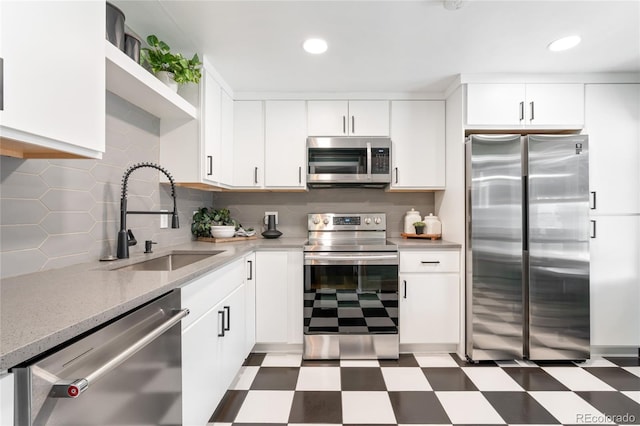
(430, 262)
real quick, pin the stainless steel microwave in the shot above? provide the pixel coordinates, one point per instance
(346, 161)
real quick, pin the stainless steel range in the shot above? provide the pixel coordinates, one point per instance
(350, 288)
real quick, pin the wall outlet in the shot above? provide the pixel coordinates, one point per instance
(164, 220)
(266, 218)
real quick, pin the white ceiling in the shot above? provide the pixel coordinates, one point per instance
(391, 46)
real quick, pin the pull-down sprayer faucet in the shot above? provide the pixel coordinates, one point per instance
(125, 237)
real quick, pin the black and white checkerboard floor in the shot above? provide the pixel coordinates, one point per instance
(430, 389)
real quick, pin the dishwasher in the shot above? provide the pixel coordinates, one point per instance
(125, 373)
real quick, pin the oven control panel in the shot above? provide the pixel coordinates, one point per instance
(347, 222)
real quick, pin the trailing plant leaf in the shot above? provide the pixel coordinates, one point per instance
(160, 58)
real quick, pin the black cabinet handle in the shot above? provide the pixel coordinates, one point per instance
(344, 124)
(353, 124)
(405, 288)
(532, 111)
(250, 262)
(521, 111)
(300, 175)
(222, 329)
(228, 324)
(255, 175)
(210, 160)
(593, 197)
(593, 229)
(431, 262)
(396, 169)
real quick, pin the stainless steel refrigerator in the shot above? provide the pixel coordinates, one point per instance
(528, 231)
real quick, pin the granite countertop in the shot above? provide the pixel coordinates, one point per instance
(42, 310)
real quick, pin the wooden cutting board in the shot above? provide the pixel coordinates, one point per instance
(424, 236)
(226, 240)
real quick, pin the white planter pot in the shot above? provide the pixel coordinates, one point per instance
(167, 78)
(226, 231)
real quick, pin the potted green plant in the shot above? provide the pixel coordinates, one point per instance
(209, 222)
(172, 69)
(419, 227)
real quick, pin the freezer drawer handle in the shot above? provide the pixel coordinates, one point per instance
(73, 388)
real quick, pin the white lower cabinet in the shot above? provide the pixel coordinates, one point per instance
(429, 297)
(250, 302)
(213, 340)
(279, 297)
(615, 281)
(6, 399)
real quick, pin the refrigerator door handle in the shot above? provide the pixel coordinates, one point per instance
(593, 229)
(525, 214)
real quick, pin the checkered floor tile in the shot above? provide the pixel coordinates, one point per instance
(282, 389)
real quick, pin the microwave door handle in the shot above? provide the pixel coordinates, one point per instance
(369, 160)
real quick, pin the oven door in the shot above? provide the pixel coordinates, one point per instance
(350, 293)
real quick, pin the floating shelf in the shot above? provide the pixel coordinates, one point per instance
(133, 83)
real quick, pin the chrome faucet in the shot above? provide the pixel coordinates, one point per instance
(125, 237)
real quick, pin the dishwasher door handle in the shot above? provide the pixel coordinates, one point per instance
(73, 388)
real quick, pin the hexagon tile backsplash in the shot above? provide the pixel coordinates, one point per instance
(56, 213)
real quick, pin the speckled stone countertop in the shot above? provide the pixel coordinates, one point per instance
(42, 310)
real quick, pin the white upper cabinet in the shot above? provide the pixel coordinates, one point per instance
(53, 98)
(348, 118)
(248, 144)
(515, 106)
(285, 144)
(612, 122)
(418, 137)
(197, 152)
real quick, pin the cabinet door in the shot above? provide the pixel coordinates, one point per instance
(495, 104)
(417, 133)
(6, 399)
(555, 105)
(429, 308)
(226, 140)
(211, 116)
(250, 303)
(248, 144)
(233, 343)
(201, 386)
(611, 119)
(615, 281)
(271, 297)
(279, 300)
(54, 76)
(285, 144)
(368, 118)
(327, 118)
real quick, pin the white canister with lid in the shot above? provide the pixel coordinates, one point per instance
(410, 218)
(433, 226)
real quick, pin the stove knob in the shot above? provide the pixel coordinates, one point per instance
(377, 220)
(316, 220)
(367, 220)
(325, 221)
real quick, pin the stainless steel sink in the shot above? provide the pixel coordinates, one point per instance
(170, 262)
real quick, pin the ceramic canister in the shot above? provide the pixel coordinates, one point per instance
(409, 218)
(433, 225)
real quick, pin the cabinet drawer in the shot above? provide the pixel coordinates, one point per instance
(429, 261)
(203, 293)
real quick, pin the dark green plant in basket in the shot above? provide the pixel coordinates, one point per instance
(160, 58)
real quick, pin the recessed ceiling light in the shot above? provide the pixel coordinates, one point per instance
(315, 45)
(564, 43)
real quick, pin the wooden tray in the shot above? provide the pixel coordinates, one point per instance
(424, 236)
(226, 240)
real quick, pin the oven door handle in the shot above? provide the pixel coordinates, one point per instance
(326, 259)
(74, 387)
